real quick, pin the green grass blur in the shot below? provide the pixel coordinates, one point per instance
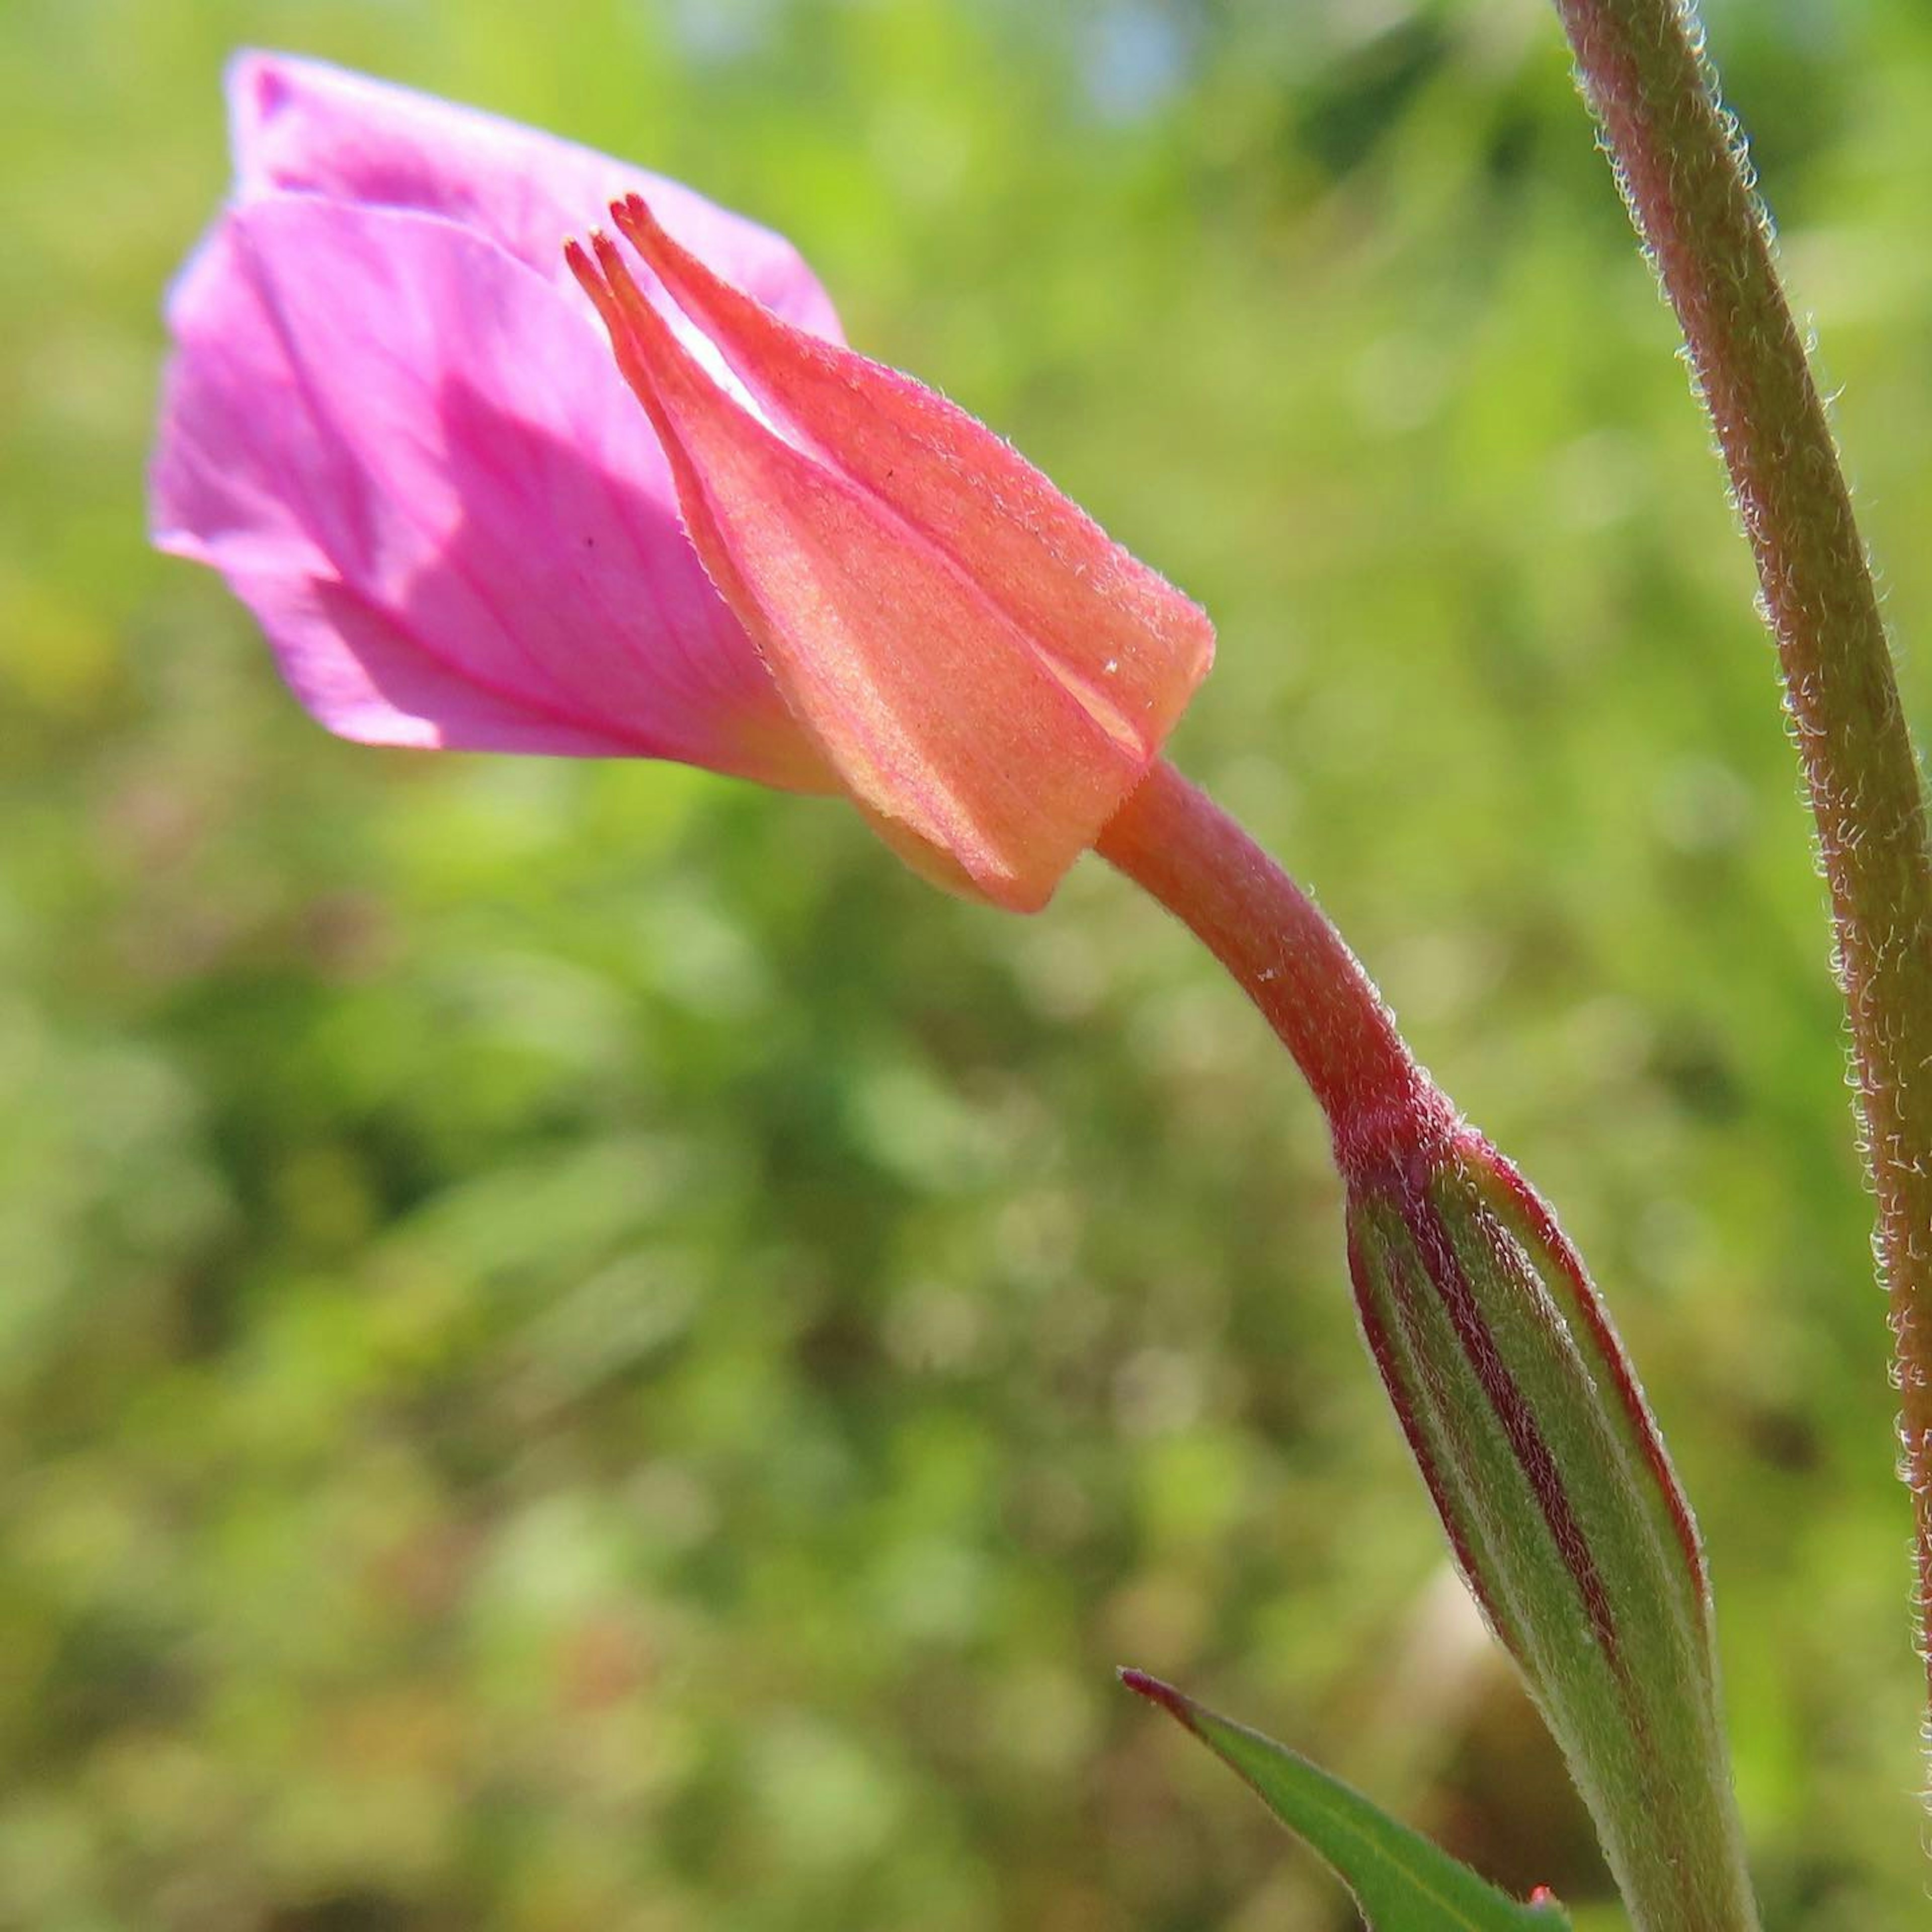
(577, 1349)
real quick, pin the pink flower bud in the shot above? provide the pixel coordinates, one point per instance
(392, 424)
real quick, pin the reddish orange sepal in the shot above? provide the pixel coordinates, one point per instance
(987, 673)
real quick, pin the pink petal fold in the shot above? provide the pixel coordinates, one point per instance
(390, 423)
(411, 456)
(303, 126)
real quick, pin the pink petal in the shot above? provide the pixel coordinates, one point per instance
(302, 125)
(1130, 644)
(359, 669)
(978, 762)
(411, 457)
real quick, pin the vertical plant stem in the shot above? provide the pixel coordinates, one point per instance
(1680, 162)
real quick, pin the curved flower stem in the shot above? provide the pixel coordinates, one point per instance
(1681, 164)
(1523, 1412)
(1173, 840)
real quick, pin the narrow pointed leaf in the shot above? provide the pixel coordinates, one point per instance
(1401, 1882)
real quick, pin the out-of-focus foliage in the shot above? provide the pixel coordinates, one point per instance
(576, 1348)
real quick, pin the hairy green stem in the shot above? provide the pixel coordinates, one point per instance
(1680, 161)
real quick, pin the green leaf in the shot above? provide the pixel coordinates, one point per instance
(1402, 1882)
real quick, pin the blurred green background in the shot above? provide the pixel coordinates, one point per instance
(579, 1350)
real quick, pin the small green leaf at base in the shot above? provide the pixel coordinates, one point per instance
(1401, 1882)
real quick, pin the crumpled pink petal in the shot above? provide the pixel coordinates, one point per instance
(405, 446)
(440, 501)
(305, 127)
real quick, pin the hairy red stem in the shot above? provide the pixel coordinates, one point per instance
(1681, 164)
(1174, 841)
